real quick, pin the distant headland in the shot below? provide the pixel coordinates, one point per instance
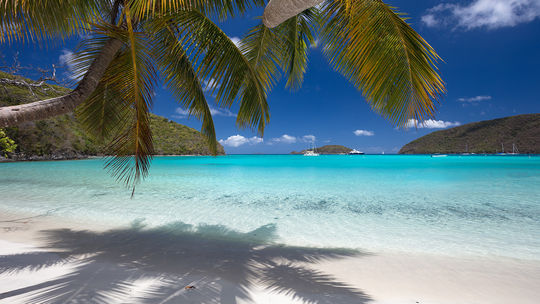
(518, 134)
(328, 149)
(63, 137)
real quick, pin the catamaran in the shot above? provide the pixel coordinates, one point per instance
(311, 152)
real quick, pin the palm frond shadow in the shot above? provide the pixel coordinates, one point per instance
(155, 265)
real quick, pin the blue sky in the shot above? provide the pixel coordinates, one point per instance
(491, 52)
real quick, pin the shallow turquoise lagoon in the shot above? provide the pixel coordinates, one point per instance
(457, 205)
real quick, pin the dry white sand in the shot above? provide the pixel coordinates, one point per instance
(51, 260)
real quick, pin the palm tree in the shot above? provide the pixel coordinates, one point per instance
(130, 45)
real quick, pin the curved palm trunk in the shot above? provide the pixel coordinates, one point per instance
(44, 109)
(277, 11)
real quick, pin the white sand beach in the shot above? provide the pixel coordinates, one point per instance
(51, 260)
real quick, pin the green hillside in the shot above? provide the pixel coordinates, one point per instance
(63, 137)
(482, 137)
(328, 149)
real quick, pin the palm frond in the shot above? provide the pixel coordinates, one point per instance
(180, 76)
(221, 9)
(104, 114)
(298, 34)
(39, 20)
(136, 77)
(130, 80)
(220, 62)
(283, 47)
(393, 66)
(263, 48)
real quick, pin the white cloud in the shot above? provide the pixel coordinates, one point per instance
(287, 139)
(474, 99)
(239, 140)
(364, 133)
(221, 112)
(66, 57)
(309, 138)
(430, 20)
(431, 124)
(489, 14)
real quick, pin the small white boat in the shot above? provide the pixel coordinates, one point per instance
(439, 155)
(356, 152)
(311, 153)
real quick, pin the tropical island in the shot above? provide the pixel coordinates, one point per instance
(513, 134)
(328, 149)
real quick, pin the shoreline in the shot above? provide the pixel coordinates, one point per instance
(40, 250)
(86, 157)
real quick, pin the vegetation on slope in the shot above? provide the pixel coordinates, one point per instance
(63, 137)
(328, 149)
(482, 137)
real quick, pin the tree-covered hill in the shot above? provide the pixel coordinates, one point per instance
(488, 136)
(328, 149)
(63, 137)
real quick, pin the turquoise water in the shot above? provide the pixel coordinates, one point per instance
(457, 205)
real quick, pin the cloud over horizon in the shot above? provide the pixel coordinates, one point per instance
(309, 138)
(287, 139)
(431, 124)
(490, 14)
(239, 140)
(364, 133)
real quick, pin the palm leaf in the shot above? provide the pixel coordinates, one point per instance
(384, 57)
(224, 67)
(284, 47)
(180, 76)
(104, 114)
(222, 9)
(130, 80)
(298, 34)
(134, 148)
(39, 20)
(264, 49)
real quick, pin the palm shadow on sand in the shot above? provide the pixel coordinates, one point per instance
(139, 265)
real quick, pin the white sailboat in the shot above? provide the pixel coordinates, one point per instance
(515, 151)
(502, 147)
(466, 150)
(313, 151)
